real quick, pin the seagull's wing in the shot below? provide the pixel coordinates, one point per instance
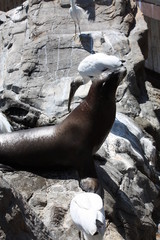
(95, 64)
(81, 13)
(77, 13)
(100, 222)
(88, 214)
(90, 67)
(82, 217)
(107, 61)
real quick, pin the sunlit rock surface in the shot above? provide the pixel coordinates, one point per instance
(127, 173)
(39, 56)
(38, 59)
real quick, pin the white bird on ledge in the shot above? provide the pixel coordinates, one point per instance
(92, 67)
(87, 213)
(76, 13)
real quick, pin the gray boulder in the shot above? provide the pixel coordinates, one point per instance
(38, 60)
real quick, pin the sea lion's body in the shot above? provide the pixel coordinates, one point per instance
(59, 145)
(72, 143)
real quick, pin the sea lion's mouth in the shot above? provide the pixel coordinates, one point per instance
(121, 72)
(73, 88)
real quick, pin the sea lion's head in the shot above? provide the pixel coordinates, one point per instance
(109, 84)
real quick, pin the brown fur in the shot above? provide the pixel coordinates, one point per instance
(73, 142)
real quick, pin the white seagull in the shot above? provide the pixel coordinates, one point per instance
(87, 213)
(76, 13)
(4, 124)
(91, 67)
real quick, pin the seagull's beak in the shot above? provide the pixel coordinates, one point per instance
(123, 61)
(73, 88)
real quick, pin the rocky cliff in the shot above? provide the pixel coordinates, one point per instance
(38, 59)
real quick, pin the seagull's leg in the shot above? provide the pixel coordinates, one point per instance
(81, 236)
(75, 30)
(79, 233)
(79, 29)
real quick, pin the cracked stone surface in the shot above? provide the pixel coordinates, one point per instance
(38, 59)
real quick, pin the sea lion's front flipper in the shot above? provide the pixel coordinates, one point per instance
(89, 184)
(88, 177)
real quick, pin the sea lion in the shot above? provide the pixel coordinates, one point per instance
(73, 142)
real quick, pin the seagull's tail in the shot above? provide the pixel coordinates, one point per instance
(100, 222)
(85, 14)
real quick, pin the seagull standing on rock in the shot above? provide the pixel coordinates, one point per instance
(87, 213)
(76, 13)
(92, 67)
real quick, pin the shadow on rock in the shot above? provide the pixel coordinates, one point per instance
(104, 2)
(87, 42)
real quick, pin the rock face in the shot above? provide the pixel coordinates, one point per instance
(38, 60)
(15, 211)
